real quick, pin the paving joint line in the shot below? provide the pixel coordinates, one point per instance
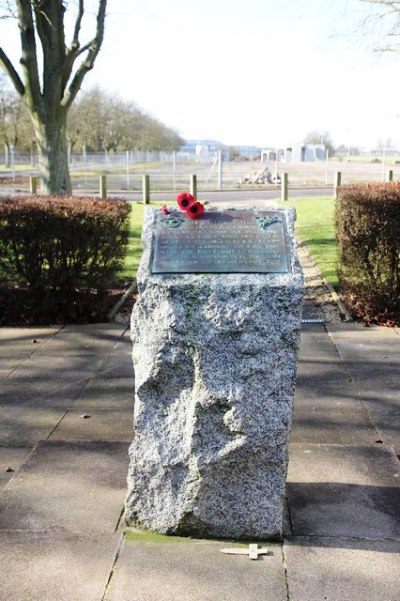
(289, 515)
(340, 356)
(110, 575)
(17, 471)
(359, 396)
(380, 539)
(38, 347)
(285, 567)
(121, 515)
(57, 424)
(102, 362)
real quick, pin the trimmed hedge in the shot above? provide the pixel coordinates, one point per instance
(63, 249)
(368, 236)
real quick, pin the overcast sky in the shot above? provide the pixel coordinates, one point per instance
(257, 72)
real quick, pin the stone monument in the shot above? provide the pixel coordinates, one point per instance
(215, 334)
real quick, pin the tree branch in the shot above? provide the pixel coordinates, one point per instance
(384, 20)
(11, 72)
(93, 48)
(394, 4)
(75, 50)
(28, 53)
(78, 22)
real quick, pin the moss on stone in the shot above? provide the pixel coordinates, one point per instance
(148, 536)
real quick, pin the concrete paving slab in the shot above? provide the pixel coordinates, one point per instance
(388, 427)
(331, 371)
(127, 333)
(354, 329)
(24, 426)
(387, 405)
(40, 368)
(310, 348)
(12, 360)
(11, 459)
(332, 428)
(342, 570)
(55, 565)
(323, 385)
(62, 504)
(116, 365)
(4, 373)
(25, 338)
(337, 490)
(368, 348)
(80, 339)
(125, 343)
(94, 425)
(378, 383)
(107, 393)
(313, 328)
(41, 393)
(195, 570)
(103, 331)
(79, 486)
(316, 344)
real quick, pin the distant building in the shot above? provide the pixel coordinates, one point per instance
(305, 153)
(204, 150)
(272, 154)
(297, 153)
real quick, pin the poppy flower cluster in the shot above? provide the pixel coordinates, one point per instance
(188, 203)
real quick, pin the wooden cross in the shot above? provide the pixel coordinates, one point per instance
(253, 551)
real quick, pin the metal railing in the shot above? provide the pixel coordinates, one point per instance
(172, 172)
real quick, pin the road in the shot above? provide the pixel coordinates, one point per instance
(270, 193)
(225, 196)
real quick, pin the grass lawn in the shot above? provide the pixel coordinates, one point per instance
(314, 226)
(134, 251)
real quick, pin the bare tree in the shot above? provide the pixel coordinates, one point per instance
(99, 120)
(382, 20)
(49, 95)
(9, 113)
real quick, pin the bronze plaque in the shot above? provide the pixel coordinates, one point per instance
(233, 241)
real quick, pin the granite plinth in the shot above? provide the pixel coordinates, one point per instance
(215, 365)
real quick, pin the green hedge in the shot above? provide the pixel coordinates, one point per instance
(63, 248)
(368, 236)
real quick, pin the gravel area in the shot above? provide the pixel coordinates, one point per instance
(318, 302)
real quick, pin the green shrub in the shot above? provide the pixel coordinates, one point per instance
(368, 235)
(63, 248)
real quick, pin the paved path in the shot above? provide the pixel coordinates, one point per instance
(66, 402)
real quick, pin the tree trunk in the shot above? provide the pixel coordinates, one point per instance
(52, 145)
(7, 160)
(64, 67)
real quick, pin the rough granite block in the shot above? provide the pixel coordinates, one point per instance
(215, 364)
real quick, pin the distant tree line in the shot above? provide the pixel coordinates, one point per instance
(97, 122)
(15, 127)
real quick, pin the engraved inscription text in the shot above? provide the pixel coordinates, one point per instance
(221, 242)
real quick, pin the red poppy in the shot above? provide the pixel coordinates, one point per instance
(195, 210)
(185, 200)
